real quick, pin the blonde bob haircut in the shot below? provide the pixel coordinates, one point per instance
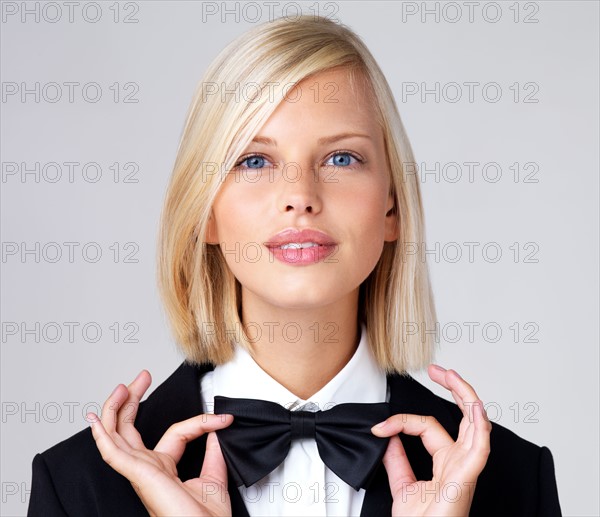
(239, 91)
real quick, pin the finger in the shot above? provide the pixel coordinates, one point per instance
(467, 425)
(111, 453)
(464, 395)
(433, 435)
(175, 439)
(214, 467)
(111, 407)
(481, 434)
(441, 376)
(462, 430)
(128, 411)
(397, 465)
(462, 392)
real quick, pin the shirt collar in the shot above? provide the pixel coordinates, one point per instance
(360, 380)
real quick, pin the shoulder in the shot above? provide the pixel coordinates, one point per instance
(72, 474)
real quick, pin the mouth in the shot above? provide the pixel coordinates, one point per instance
(298, 245)
(293, 238)
(301, 247)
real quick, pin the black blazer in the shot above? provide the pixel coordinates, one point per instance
(72, 479)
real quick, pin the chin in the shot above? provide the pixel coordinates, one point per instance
(304, 299)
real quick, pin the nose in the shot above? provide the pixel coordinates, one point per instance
(300, 191)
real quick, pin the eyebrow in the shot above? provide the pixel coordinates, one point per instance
(322, 141)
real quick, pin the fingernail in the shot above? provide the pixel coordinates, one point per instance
(438, 368)
(115, 390)
(91, 418)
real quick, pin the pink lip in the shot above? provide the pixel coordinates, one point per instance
(294, 235)
(301, 256)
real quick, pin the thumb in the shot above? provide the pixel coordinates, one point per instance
(214, 467)
(397, 466)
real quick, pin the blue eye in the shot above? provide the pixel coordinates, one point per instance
(255, 161)
(343, 159)
(252, 161)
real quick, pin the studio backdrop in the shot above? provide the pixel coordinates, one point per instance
(500, 102)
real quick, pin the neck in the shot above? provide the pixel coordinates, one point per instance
(302, 349)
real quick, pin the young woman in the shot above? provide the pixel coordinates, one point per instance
(284, 272)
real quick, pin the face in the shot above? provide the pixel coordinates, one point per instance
(303, 218)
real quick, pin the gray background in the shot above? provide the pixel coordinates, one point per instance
(541, 383)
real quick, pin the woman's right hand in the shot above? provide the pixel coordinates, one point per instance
(153, 473)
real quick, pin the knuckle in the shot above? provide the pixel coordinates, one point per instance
(399, 419)
(176, 431)
(485, 450)
(107, 457)
(175, 428)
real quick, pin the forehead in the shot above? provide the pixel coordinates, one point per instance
(329, 97)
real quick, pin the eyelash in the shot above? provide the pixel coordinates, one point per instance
(341, 151)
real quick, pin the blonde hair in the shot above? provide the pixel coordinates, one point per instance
(201, 296)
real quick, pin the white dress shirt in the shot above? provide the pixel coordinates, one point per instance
(302, 485)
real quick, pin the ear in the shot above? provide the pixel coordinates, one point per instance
(392, 230)
(212, 234)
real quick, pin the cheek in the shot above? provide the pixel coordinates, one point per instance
(367, 212)
(236, 216)
(365, 227)
(239, 218)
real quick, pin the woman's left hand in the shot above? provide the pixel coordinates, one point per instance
(456, 465)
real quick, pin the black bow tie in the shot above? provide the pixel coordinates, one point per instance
(260, 436)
